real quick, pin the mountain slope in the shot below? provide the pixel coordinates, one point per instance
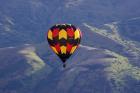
(32, 75)
(27, 21)
(107, 60)
(129, 48)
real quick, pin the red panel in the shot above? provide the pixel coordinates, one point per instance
(57, 46)
(69, 46)
(70, 32)
(55, 32)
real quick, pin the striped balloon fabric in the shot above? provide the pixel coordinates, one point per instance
(64, 40)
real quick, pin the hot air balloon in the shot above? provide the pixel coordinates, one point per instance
(64, 40)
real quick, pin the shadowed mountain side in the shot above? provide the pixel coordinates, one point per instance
(38, 69)
(111, 39)
(94, 39)
(27, 21)
(90, 69)
(130, 29)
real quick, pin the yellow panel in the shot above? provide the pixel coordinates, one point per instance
(53, 48)
(73, 49)
(63, 49)
(76, 34)
(62, 34)
(50, 34)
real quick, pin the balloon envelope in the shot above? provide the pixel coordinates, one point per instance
(64, 40)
